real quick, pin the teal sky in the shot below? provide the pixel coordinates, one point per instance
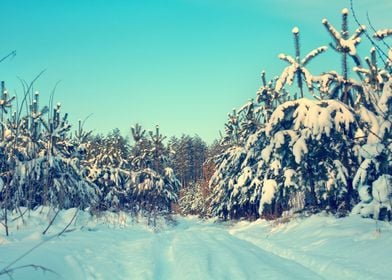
(182, 64)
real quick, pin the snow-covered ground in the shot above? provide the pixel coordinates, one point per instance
(116, 247)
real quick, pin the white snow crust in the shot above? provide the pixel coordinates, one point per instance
(115, 246)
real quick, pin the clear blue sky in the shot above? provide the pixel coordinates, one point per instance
(182, 64)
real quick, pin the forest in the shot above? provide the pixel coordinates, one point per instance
(308, 158)
(306, 143)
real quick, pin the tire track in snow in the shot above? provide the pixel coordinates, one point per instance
(190, 250)
(323, 266)
(213, 253)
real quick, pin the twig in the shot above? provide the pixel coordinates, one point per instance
(375, 31)
(21, 214)
(27, 91)
(35, 266)
(51, 98)
(379, 50)
(13, 53)
(51, 222)
(8, 268)
(70, 222)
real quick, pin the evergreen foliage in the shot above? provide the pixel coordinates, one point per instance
(43, 163)
(279, 154)
(311, 155)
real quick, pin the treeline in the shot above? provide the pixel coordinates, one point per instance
(43, 161)
(321, 145)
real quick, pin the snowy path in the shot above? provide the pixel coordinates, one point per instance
(316, 248)
(187, 251)
(212, 253)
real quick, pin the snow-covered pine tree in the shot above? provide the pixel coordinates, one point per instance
(42, 168)
(63, 177)
(223, 199)
(297, 69)
(373, 179)
(140, 148)
(372, 76)
(235, 185)
(110, 170)
(347, 47)
(192, 201)
(5, 158)
(381, 35)
(309, 155)
(154, 186)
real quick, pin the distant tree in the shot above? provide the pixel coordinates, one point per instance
(188, 156)
(110, 169)
(154, 186)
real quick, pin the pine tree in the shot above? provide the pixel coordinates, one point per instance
(347, 47)
(309, 155)
(154, 186)
(373, 179)
(297, 66)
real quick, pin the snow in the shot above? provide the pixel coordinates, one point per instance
(345, 45)
(245, 177)
(300, 149)
(381, 34)
(375, 199)
(288, 175)
(313, 54)
(115, 246)
(361, 174)
(296, 67)
(268, 193)
(347, 248)
(370, 151)
(350, 44)
(382, 189)
(287, 75)
(275, 166)
(345, 11)
(371, 119)
(295, 30)
(385, 97)
(7, 134)
(266, 153)
(364, 194)
(315, 115)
